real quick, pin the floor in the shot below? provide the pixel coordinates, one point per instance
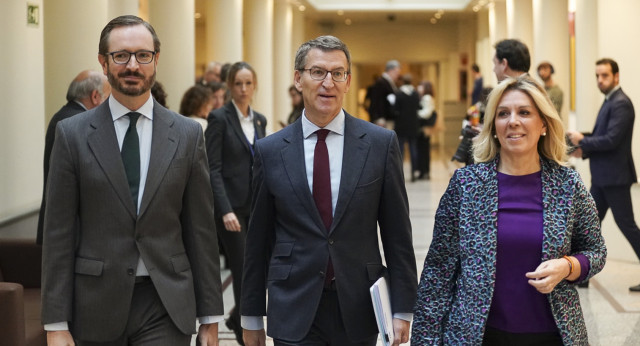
(612, 312)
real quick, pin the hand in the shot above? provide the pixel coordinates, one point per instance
(254, 337)
(208, 334)
(577, 153)
(575, 137)
(231, 222)
(401, 331)
(548, 275)
(60, 338)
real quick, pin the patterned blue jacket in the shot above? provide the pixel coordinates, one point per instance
(456, 287)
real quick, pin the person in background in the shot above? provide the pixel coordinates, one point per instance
(382, 96)
(196, 104)
(545, 70)
(322, 186)
(512, 59)
(476, 93)
(297, 104)
(407, 124)
(212, 73)
(88, 90)
(608, 148)
(158, 93)
(219, 90)
(513, 234)
(231, 135)
(428, 117)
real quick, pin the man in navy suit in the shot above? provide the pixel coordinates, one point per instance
(608, 148)
(318, 256)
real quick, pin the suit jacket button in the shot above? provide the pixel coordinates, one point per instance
(330, 241)
(130, 271)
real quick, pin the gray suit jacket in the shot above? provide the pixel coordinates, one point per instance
(288, 247)
(89, 271)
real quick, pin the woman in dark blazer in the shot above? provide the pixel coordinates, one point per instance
(513, 235)
(230, 135)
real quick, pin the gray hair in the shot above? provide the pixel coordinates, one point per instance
(391, 64)
(324, 43)
(81, 89)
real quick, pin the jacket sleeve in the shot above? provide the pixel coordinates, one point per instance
(216, 130)
(621, 116)
(587, 237)
(441, 270)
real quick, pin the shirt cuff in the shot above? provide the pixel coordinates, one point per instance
(585, 266)
(55, 327)
(405, 316)
(252, 322)
(210, 319)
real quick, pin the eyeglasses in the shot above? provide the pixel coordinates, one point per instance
(142, 56)
(318, 73)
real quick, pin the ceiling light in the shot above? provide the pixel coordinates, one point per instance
(340, 12)
(438, 15)
(433, 20)
(347, 21)
(476, 8)
(302, 8)
(197, 15)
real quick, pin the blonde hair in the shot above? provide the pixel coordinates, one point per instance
(553, 146)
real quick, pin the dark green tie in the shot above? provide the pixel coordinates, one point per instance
(131, 156)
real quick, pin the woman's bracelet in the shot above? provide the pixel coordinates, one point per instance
(570, 266)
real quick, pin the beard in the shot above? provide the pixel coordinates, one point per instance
(130, 90)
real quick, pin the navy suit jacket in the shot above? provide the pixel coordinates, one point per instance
(608, 147)
(288, 247)
(70, 109)
(230, 159)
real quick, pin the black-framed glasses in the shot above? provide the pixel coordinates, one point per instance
(318, 73)
(122, 57)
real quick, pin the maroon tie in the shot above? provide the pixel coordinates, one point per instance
(322, 188)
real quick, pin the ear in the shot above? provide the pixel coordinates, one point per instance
(102, 59)
(95, 97)
(348, 83)
(296, 80)
(616, 78)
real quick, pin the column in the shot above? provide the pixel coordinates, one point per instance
(551, 43)
(224, 30)
(520, 21)
(22, 99)
(174, 23)
(69, 49)
(588, 97)
(283, 60)
(497, 32)
(258, 25)
(121, 7)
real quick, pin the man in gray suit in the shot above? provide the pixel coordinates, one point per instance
(321, 188)
(142, 262)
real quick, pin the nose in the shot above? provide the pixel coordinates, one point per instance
(328, 80)
(132, 63)
(513, 119)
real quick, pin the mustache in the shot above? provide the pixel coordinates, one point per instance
(130, 73)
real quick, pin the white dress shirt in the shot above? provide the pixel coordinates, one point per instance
(246, 123)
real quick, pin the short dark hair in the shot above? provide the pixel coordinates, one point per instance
(126, 20)
(546, 64)
(475, 68)
(324, 43)
(157, 90)
(215, 86)
(193, 99)
(515, 52)
(611, 62)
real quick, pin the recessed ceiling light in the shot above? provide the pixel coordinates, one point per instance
(433, 20)
(340, 12)
(197, 15)
(302, 8)
(347, 21)
(438, 15)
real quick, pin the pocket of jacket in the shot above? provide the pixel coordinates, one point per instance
(376, 271)
(282, 249)
(180, 263)
(279, 272)
(88, 266)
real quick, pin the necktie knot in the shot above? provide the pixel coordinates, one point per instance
(322, 134)
(133, 118)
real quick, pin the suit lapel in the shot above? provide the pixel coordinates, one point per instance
(258, 125)
(164, 143)
(233, 119)
(356, 149)
(104, 145)
(294, 164)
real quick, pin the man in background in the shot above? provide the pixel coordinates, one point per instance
(545, 70)
(476, 93)
(382, 96)
(512, 59)
(608, 149)
(88, 90)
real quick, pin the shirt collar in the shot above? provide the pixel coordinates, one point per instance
(242, 117)
(336, 125)
(607, 96)
(81, 105)
(118, 110)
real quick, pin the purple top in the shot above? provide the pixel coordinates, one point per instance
(518, 307)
